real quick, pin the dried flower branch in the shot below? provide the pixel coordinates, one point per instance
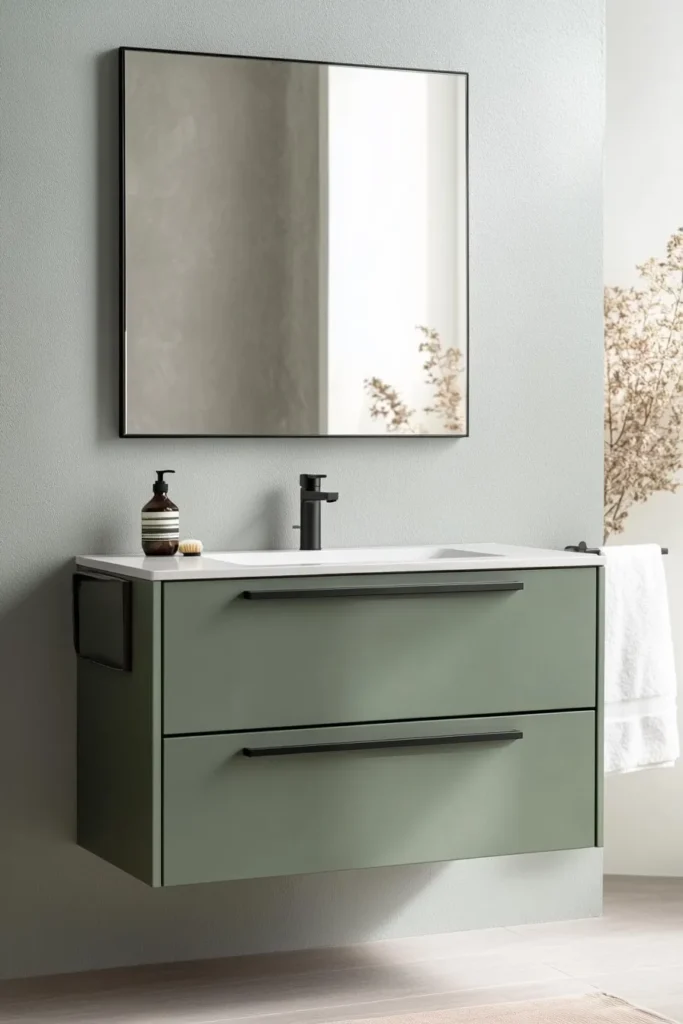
(644, 385)
(442, 370)
(385, 403)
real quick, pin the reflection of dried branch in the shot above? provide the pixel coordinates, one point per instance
(442, 370)
(644, 386)
(386, 404)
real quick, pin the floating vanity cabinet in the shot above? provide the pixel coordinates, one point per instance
(273, 725)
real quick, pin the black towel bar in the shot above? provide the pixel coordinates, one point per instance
(583, 549)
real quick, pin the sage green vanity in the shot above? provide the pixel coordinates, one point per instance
(240, 725)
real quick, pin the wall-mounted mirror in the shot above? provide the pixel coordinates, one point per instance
(294, 248)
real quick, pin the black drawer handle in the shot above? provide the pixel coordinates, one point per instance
(409, 741)
(405, 590)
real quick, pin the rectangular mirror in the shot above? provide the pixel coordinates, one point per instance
(294, 248)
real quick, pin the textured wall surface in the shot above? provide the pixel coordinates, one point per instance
(531, 471)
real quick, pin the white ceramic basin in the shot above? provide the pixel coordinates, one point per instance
(226, 565)
(344, 556)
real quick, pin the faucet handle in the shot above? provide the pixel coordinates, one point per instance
(311, 481)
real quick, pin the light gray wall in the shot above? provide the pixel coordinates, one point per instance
(531, 471)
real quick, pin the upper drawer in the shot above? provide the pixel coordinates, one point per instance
(346, 652)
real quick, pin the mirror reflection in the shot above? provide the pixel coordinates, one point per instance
(295, 248)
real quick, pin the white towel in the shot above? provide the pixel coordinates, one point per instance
(641, 729)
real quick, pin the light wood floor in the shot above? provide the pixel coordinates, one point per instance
(635, 951)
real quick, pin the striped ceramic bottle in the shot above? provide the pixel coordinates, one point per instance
(160, 520)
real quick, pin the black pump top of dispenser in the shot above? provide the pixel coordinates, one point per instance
(161, 485)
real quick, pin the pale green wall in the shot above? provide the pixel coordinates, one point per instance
(531, 471)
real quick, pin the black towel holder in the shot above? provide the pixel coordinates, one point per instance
(583, 549)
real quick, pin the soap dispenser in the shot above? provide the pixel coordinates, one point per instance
(160, 520)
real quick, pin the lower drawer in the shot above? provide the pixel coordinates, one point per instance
(372, 795)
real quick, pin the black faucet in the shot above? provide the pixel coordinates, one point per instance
(310, 497)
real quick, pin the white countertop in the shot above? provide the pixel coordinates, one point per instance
(333, 562)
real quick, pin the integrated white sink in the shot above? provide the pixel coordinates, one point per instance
(432, 558)
(345, 556)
